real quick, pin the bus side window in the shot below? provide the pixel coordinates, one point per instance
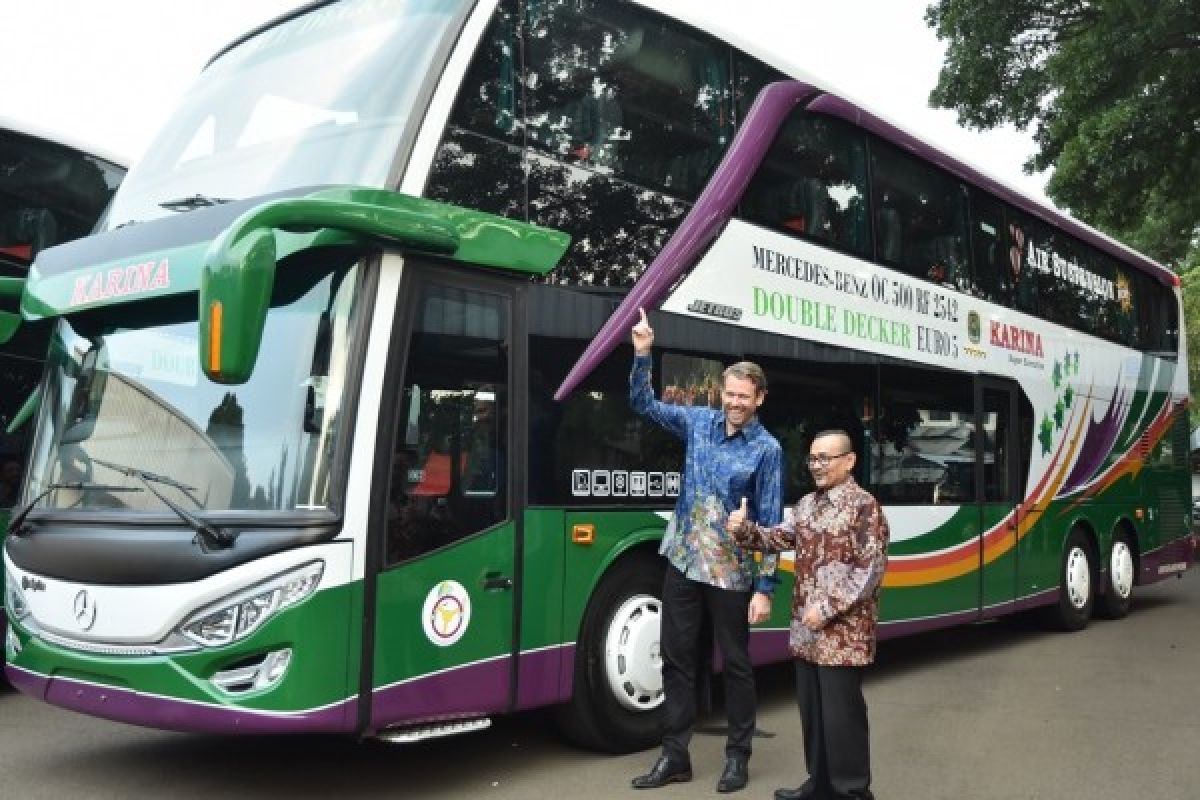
(813, 183)
(926, 449)
(447, 479)
(926, 210)
(24, 232)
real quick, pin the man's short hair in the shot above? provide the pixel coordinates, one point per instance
(835, 432)
(747, 371)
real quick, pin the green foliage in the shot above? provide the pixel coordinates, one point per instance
(1110, 89)
(1191, 322)
(1109, 86)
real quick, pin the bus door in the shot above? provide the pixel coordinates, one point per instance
(443, 632)
(997, 466)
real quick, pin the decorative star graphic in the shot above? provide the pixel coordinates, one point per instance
(1058, 414)
(1056, 376)
(1044, 436)
(1068, 396)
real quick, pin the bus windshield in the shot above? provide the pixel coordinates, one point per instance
(323, 98)
(133, 396)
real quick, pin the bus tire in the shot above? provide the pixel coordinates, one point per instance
(1076, 582)
(615, 706)
(1119, 578)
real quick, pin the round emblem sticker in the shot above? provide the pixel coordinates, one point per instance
(447, 613)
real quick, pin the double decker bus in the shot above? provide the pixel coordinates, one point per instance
(335, 431)
(52, 190)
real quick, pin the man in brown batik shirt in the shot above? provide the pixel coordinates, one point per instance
(840, 539)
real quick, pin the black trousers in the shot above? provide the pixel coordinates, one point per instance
(684, 604)
(833, 714)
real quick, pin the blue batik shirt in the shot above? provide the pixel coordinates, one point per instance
(718, 472)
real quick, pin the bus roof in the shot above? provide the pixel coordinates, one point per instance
(835, 102)
(29, 129)
(732, 28)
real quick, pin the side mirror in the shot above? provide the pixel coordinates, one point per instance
(235, 294)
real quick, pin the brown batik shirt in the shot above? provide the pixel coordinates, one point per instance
(840, 539)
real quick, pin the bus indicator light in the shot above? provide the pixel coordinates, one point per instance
(583, 534)
(1137, 512)
(215, 312)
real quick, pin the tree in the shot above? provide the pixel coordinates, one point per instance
(1109, 86)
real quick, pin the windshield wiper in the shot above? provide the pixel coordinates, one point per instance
(193, 202)
(209, 533)
(16, 525)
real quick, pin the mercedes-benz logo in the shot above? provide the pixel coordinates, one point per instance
(85, 610)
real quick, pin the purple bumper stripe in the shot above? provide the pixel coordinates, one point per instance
(1173, 558)
(768, 647)
(540, 677)
(123, 705)
(701, 225)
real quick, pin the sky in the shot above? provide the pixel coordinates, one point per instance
(110, 73)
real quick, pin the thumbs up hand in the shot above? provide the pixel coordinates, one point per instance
(737, 519)
(643, 335)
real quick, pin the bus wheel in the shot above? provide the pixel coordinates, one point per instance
(1074, 607)
(618, 670)
(1118, 584)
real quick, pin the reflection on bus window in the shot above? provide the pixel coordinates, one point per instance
(813, 182)
(920, 218)
(927, 438)
(447, 471)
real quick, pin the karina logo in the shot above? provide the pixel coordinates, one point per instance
(1013, 337)
(32, 584)
(974, 327)
(85, 610)
(121, 281)
(718, 310)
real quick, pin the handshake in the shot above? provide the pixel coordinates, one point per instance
(736, 522)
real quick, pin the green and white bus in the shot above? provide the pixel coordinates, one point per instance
(52, 190)
(334, 432)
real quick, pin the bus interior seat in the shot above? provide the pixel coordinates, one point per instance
(945, 251)
(802, 206)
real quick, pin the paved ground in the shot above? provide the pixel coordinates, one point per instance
(1001, 711)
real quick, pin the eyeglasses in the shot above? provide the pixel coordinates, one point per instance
(824, 460)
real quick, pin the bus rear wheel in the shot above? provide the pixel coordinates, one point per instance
(618, 692)
(1119, 580)
(1075, 588)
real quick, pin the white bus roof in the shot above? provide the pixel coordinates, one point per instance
(732, 28)
(30, 129)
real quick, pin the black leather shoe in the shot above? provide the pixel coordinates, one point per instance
(735, 775)
(663, 772)
(804, 792)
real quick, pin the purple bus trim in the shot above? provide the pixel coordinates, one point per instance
(719, 199)
(124, 705)
(892, 630)
(463, 692)
(1169, 555)
(701, 225)
(837, 107)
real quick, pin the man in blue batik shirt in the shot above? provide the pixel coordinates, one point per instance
(730, 456)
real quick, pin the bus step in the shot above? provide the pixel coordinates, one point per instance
(406, 734)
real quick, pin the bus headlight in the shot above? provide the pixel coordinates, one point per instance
(14, 598)
(237, 617)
